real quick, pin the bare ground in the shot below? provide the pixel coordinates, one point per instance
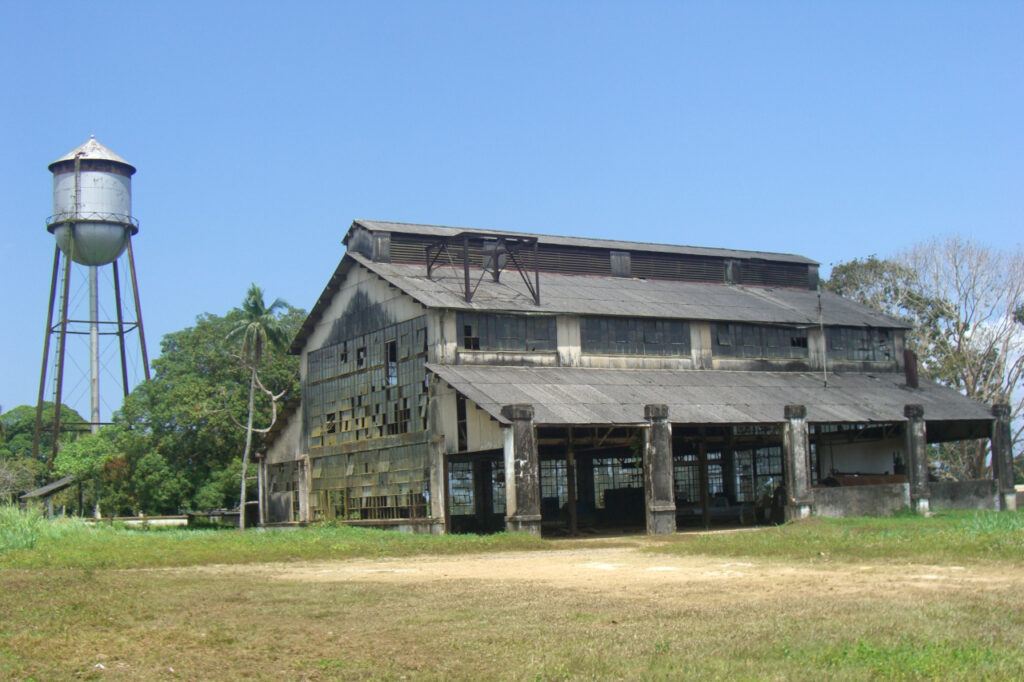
(623, 569)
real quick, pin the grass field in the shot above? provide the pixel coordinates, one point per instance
(900, 598)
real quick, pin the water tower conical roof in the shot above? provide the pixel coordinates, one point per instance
(91, 150)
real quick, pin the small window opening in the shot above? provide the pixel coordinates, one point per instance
(470, 338)
(460, 418)
(391, 365)
(361, 357)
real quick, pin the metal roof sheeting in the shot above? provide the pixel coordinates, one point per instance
(596, 295)
(581, 396)
(92, 149)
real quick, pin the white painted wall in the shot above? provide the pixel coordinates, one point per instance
(868, 457)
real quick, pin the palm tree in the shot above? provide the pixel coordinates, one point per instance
(259, 327)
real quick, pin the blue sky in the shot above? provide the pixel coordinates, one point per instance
(261, 130)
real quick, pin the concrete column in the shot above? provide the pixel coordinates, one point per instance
(796, 462)
(305, 483)
(522, 471)
(1002, 457)
(438, 478)
(659, 477)
(917, 458)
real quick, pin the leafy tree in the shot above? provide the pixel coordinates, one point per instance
(966, 302)
(260, 328)
(85, 459)
(18, 427)
(17, 475)
(187, 414)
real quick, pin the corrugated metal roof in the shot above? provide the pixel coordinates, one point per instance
(49, 488)
(91, 149)
(564, 395)
(597, 295)
(445, 231)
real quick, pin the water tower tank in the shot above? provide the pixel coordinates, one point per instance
(92, 204)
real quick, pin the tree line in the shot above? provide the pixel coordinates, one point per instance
(180, 440)
(966, 304)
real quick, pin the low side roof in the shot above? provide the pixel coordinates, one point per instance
(50, 488)
(597, 295)
(563, 396)
(444, 231)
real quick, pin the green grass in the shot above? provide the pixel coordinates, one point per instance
(787, 614)
(28, 541)
(943, 538)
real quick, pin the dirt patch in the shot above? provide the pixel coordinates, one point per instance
(621, 569)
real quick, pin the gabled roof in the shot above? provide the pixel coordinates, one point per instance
(601, 295)
(596, 295)
(444, 231)
(582, 396)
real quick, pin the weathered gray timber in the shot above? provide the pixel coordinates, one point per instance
(659, 484)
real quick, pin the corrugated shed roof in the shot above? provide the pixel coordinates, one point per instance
(444, 231)
(49, 488)
(597, 295)
(564, 395)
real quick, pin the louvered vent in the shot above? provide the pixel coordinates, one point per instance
(407, 248)
(671, 266)
(763, 273)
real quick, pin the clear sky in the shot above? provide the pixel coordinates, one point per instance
(260, 130)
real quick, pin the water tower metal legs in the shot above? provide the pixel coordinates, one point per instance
(94, 350)
(60, 359)
(120, 331)
(138, 312)
(46, 354)
(94, 332)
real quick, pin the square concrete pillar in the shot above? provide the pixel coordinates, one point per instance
(436, 501)
(522, 471)
(659, 475)
(797, 462)
(917, 458)
(1002, 457)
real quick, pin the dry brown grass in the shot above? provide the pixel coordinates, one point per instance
(587, 612)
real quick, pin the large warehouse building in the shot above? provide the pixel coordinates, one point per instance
(460, 380)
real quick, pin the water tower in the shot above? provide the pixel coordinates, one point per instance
(93, 225)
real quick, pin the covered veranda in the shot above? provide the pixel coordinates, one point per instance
(626, 450)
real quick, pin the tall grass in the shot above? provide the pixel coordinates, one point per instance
(23, 529)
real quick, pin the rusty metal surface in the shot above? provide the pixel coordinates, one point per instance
(582, 396)
(444, 231)
(590, 295)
